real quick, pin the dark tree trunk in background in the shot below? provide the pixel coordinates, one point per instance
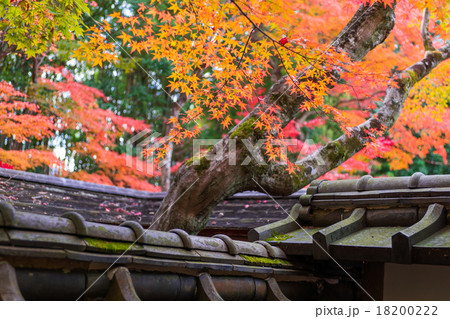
(167, 163)
(5, 49)
(37, 60)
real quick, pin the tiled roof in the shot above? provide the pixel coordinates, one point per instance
(401, 219)
(70, 242)
(49, 195)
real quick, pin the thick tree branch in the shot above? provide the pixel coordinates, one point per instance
(369, 27)
(338, 151)
(197, 189)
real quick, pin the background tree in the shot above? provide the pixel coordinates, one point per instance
(66, 116)
(35, 34)
(134, 84)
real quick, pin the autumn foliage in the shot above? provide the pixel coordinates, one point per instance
(32, 26)
(232, 45)
(69, 106)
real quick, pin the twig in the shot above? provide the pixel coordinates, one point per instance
(240, 60)
(360, 99)
(275, 42)
(426, 36)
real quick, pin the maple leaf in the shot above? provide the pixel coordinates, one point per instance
(125, 38)
(115, 15)
(172, 120)
(142, 7)
(97, 61)
(123, 20)
(226, 122)
(135, 46)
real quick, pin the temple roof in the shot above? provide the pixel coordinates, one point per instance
(70, 242)
(50, 195)
(400, 219)
(331, 232)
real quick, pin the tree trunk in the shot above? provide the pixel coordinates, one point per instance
(167, 163)
(5, 49)
(35, 68)
(203, 182)
(130, 81)
(165, 169)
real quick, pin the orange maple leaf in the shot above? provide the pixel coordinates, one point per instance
(125, 38)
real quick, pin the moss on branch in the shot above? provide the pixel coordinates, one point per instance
(245, 130)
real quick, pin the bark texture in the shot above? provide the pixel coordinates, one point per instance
(197, 189)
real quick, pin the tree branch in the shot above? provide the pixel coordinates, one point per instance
(369, 27)
(197, 189)
(5, 51)
(371, 96)
(426, 36)
(334, 153)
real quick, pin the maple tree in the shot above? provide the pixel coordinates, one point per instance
(32, 34)
(278, 69)
(21, 121)
(221, 53)
(68, 106)
(32, 26)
